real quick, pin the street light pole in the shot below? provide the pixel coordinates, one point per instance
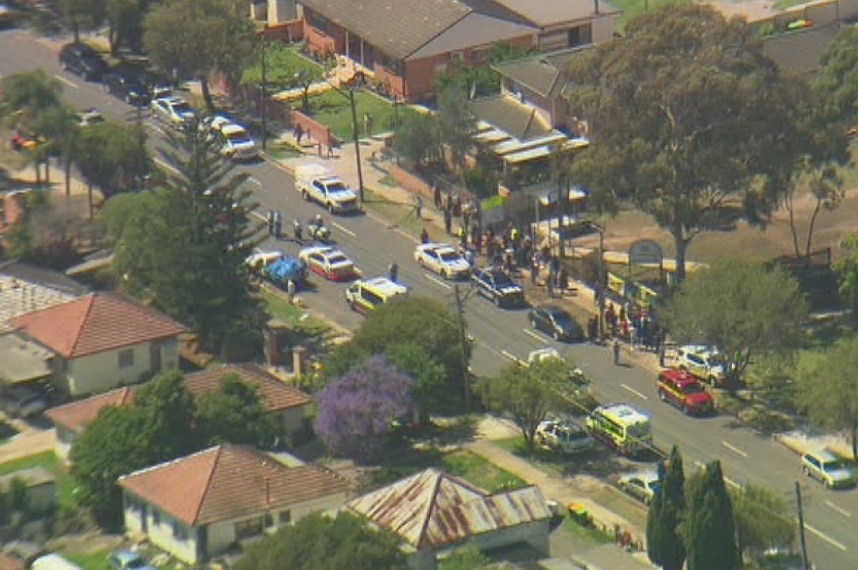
(601, 280)
(356, 135)
(264, 95)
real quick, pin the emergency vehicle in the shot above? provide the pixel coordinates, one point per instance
(620, 427)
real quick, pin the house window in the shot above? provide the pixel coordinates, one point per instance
(285, 517)
(126, 358)
(156, 516)
(318, 22)
(248, 528)
(391, 64)
(180, 531)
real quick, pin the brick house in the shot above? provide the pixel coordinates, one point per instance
(565, 24)
(405, 43)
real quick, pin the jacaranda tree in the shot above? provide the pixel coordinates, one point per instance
(357, 412)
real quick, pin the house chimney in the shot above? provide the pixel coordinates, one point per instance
(596, 4)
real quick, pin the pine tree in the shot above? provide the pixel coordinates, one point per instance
(664, 544)
(710, 530)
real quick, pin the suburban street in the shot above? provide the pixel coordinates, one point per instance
(501, 335)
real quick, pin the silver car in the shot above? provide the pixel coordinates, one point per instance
(827, 468)
(642, 486)
(564, 436)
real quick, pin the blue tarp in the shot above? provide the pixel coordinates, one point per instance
(285, 269)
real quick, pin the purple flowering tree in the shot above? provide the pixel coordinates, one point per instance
(358, 410)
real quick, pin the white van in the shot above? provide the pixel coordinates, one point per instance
(320, 184)
(53, 562)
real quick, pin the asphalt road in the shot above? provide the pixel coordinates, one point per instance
(747, 457)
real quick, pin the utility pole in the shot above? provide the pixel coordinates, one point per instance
(264, 95)
(601, 281)
(356, 134)
(805, 563)
(463, 340)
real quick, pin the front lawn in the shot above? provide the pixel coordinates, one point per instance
(334, 110)
(89, 559)
(47, 460)
(634, 8)
(278, 307)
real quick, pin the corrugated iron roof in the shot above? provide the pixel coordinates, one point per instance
(432, 509)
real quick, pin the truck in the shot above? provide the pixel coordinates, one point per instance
(319, 184)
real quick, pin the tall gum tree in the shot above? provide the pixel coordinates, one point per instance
(689, 114)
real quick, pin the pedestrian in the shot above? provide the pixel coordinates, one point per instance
(393, 270)
(436, 192)
(448, 221)
(299, 134)
(270, 219)
(418, 206)
(661, 355)
(278, 224)
(616, 348)
(424, 236)
(297, 230)
(534, 269)
(291, 289)
(463, 237)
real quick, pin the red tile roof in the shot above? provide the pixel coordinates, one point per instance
(9, 562)
(227, 482)
(96, 323)
(276, 395)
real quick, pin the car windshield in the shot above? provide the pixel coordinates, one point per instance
(638, 431)
(182, 108)
(336, 187)
(449, 256)
(135, 563)
(338, 259)
(693, 388)
(832, 465)
(502, 279)
(239, 137)
(562, 318)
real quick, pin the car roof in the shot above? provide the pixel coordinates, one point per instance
(823, 455)
(624, 411)
(553, 309)
(384, 285)
(645, 475)
(320, 249)
(232, 128)
(677, 375)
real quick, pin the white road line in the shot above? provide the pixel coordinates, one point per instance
(734, 449)
(701, 465)
(509, 355)
(826, 538)
(437, 281)
(534, 335)
(254, 181)
(344, 229)
(167, 166)
(635, 392)
(65, 81)
(843, 512)
(258, 216)
(156, 128)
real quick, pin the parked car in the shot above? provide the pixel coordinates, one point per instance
(563, 435)
(681, 389)
(328, 262)
(443, 259)
(827, 468)
(89, 117)
(498, 287)
(175, 111)
(556, 322)
(235, 142)
(127, 87)
(22, 402)
(127, 560)
(643, 486)
(703, 361)
(82, 60)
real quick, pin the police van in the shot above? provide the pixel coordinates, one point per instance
(366, 294)
(621, 427)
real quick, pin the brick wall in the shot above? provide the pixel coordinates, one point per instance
(410, 181)
(323, 44)
(312, 128)
(10, 212)
(286, 31)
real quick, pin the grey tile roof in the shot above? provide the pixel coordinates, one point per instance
(542, 73)
(19, 296)
(545, 13)
(801, 51)
(401, 28)
(473, 30)
(507, 114)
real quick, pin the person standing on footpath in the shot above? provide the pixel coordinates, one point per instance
(616, 348)
(393, 270)
(424, 236)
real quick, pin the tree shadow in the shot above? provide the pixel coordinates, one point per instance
(446, 432)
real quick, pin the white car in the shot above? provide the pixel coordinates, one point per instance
(703, 361)
(262, 258)
(827, 468)
(89, 117)
(174, 110)
(328, 262)
(236, 142)
(565, 436)
(643, 486)
(443, 259)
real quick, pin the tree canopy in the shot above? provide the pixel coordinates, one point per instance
(318, 542)
(200, 37)
(527, 394)
(847, 270)
(827, 388)
(358, 411)
(740, 306)
(709, 528)
(183, 246)
(764, 519)
(236, 414)
(664, 542)
(686, 114)
(837, 79)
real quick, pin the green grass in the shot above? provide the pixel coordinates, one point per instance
(280, 151)
(89, 560)
(785, 4)
(388, 180)
(333, 109)
(634, 8)
(401, 215)
(49, 461)
(592, 536)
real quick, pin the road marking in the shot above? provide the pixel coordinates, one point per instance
(437, 281)
(254, 181)
(635, 392)
(734, 449)
(343, 229)
(167, 166)
(534, 335)
(65, 81)
(700, 465)
(843, 512)
(258, 216)
(156, 128)
(509, 355)
(826, 538)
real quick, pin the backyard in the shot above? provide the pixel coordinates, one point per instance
(47, 460)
